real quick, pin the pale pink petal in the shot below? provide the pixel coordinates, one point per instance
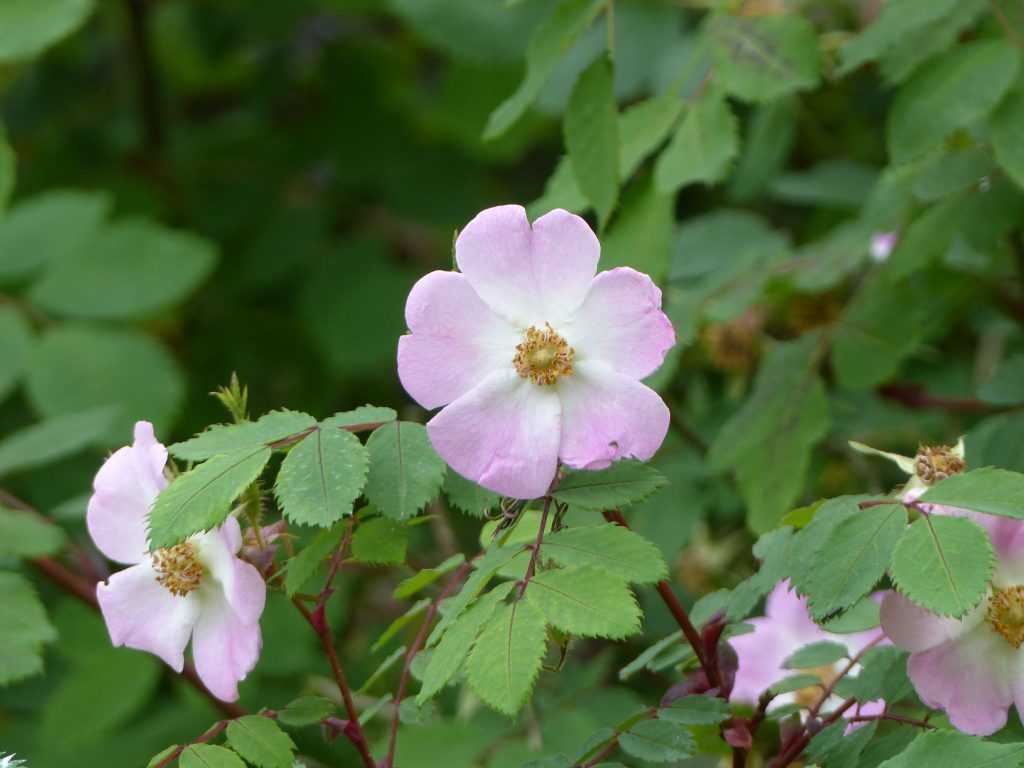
(529, 275)
(225, 648)
(760, 655)
(140, 613)
(455, 341)
(503, 434)
(621, 323)
(123, 492)
(867, 709)
(240, 582)
(969, 678)
(608, 416)
(915, 629)
(789, 610)
(231, 533)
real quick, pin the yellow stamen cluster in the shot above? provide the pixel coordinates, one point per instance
(937, 462)
(178, 569)
(809, 696)
(543, 356)
(1005, 614)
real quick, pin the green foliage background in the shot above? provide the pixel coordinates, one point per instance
(254, 187)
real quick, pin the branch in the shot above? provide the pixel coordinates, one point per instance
(914, 396)
(535, 553)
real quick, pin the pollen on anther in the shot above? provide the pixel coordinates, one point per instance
(178, 569)
(1005, 614)
(543, 356)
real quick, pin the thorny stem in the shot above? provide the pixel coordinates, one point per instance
(535, 554)
(916, 397)
(417, 644)
(889, 716)
(213, 732)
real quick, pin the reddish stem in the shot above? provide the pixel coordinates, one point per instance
(535, 554)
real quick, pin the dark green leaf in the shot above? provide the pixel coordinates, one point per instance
(261, 742)
(15, 343)
(321, 477)
(405, 472)
(623, 483)
(696, 710)
(25, 535)
(592, 137)
(609, 547)
(28, 27)
(53, 439)
(702, 148)
(657, 741)
(380, 541)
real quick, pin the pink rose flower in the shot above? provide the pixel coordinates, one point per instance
(882, 245)
(534, 358)
(198, 588)
(970, 667)
(785, 629)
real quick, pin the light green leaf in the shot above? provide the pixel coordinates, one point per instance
(129, 270)
(54, 439)
(548, 44)
(703, 147)
(895, 21)
(405, 471)
(990, 490)
(201, 498)
(24, 629)
(110, 367)
(321, 477)
(46, 229)
(762, 58)
(28, 27)
(361, 418)
(815, 655)
(943, 564)
(25, 535)
(457, 642)
(642, 127)
(400, 623)
(1006, 387)
(209, 756)
(610, 548)
(641, 236)
(795, 683)
(960, 88)
(952, 749)
(471, 498)
(306, 710)
(226, 438)
(303, 565)
(261, 742)
(838, 184)
(585, 601)
(621, 484)
(380, 541)
(15, 344)
(427, 576)
(657, 741)
(854, 558)
(696, 710)
(592, 137)
(506, 659)
(1008, 134)
(766, 146)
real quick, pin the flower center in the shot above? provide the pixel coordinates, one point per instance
(1006, 614)
(543, 356)
(809, 696)
(937, 462)
(178, 569)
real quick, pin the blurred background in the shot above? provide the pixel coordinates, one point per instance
(196, 188)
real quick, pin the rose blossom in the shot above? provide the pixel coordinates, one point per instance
(970, 667)
(785, 629)
(534, 358)
(197, 588)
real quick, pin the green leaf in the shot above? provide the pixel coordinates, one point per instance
(952, 749)
(363, 417)
(306, 710)
(400, 623)
(820, 654)
(943, 564)
(621, 484)
(795, 683)
(895, 21)
(458, 640)
(261, 742)
(201, 498)
(110, 367)
(696, 710)
(762, 58)
(959, 89)
(990, 490)
(28, 27)
(610, 548)
(1008, 134)
(427, 576)
(592, 137)
(854, 558)
(1005, 387)
(703, 147)
(125, 271)
(585, 601)
(382, 669)
(833, 747)
(657, 741)
(643, 127)
(8, 166)
(24, 629)
(859, 617)
(838, 184)
(25, 535)
(883, 675)
(641, 236)
(471, 498)
(227, 438)
(160, 756)
(53, 439)
(321, 477)
(766, 146)
(46, 229)
(405, 472)
(209, 756)
(549, 42)
(15, 344)
(506, 659)
(380, 541)
(938, 37)
(303, 565)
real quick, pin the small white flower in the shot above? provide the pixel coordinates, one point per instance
(10, 761)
